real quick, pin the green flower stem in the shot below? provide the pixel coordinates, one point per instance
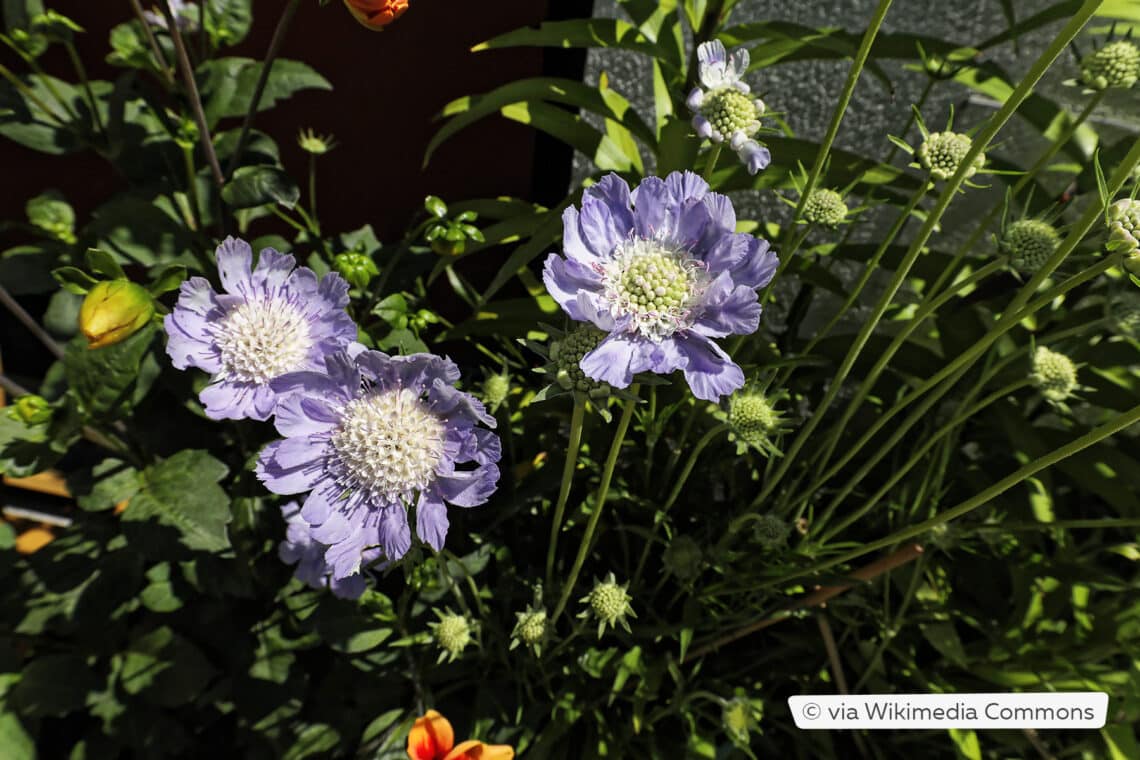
(885, 640)
(1018, 186)
(979, 143)
(599, 503)
(1113, 426)
(45, 80)
(192, 92)
(192, 186)
(853, 75)
(910, 464)
(710, 164)
(576, 418)
(275, 43)
(1110, 523)
(34, 99)
(156, 51)
(686, 471)
(92, 103)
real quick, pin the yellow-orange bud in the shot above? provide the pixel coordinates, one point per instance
(113, 311)
(376, 14)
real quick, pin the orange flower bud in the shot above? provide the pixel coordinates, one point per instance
(376, 14)
(113, 311)
(476, 750)
(431, 737)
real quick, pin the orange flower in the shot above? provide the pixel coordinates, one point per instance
(432, 738)
(376, 14)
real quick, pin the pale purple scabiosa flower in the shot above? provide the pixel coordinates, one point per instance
(370, 436)
(269, 321)
(723, 110)
(663, 272)
(301, 549)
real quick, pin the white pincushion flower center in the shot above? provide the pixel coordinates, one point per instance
(389, 444)
(656, 285)
(263, 339)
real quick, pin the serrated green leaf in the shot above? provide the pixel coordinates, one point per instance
(254, 186)
(182, 493)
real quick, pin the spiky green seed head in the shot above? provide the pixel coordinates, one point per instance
(452, 634)
(1054, 374)
(1029, 243)
(1124, 313)
(942, 152)
(825, 207)
(771, 532)
(566, 353)
(752, 417)
(318, 145)
(1124, 226)
(530, 628)
(609, 603)
(496, 388)
(729, 110)
(1117, 64)
(682, 558)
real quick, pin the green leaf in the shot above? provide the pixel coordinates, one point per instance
(166, 279)
(164, 666)
(52, 214)
(103, 379)
(182, 493)
(27, 269)
(23, 121)
(14, 738)
(317, 740)
(104, 263)
(54, 685)
(74, 280)
(228, 84)
(254, 186)
(966, 744)
(110, 482)
(574, 131)
(577, 33)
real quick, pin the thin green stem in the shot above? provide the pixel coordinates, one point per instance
(92, 103)
(599, 503)
(34, 99)
(575, 444)
(192, 186)
(275, 43)
(710, 164)
(853, 75)
(1108, 523)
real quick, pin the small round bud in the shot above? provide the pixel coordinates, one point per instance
(1117, 64)
(452, 634)
(1054, 374)
(825, 207)
(682, 558)
(752, 418)
(113, 311)
(1124, 313)
(770, 532)
(317, 145)
(530, 628)
(30, 409)
(496, 388)
(1124, 226)
(609, 603)
(357, 268)
(566, 354)
(942, 152)
(1029, 243)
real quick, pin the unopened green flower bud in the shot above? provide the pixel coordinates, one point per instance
(452, 634)
(942, 152)
(752, 417)
(825, 207)
(770, 532)
(739, 717)
(357, 268)
(113, 311)
(1029, 243)
(609, 603)
(496, 388)
(31, 409)
(530, 628)
(1054, 374)
(1124, 313)
(1124, 226)
(317, 145)
(682, 558)
(1117, 64)
(566, 354)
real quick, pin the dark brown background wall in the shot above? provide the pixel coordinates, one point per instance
(388, 87)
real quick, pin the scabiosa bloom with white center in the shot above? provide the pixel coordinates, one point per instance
(269, 321)
(371, 435)
(724, 111)
(662, 272)
(301, 549)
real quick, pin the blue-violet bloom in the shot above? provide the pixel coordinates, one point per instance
(724, 111)
(370, 436)
(268, 322)
(663, 272)
(301, 549)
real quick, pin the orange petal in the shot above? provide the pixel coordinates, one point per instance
(476, 750)
(431, 737)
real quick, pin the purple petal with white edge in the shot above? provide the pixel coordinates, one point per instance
(757, 266)
(196, 296)
(184, 346)
(614, 191)
(754, 155)
(467, 489)
(600, 230)
(696, 99)
(564, 279)
(617, 358)
(713, 60)
(686, 185)
(736, 311)
(431, 520)
(738, 62)
(703, 127)
(572, 243)
(289, 466)
(229, 401)
(395, 537)
(653, 209)
(447, 402)
(273, 270)
(710, 372)
(234, 260)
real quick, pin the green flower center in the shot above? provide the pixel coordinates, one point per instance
(655, 285)
(825, 207)
(453, 633)
(1117, 64)
(609, 602)
(729, 110)
(751, 416)
(1054, 374)
(942, 152)
(1030, 243)
(532, 627)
